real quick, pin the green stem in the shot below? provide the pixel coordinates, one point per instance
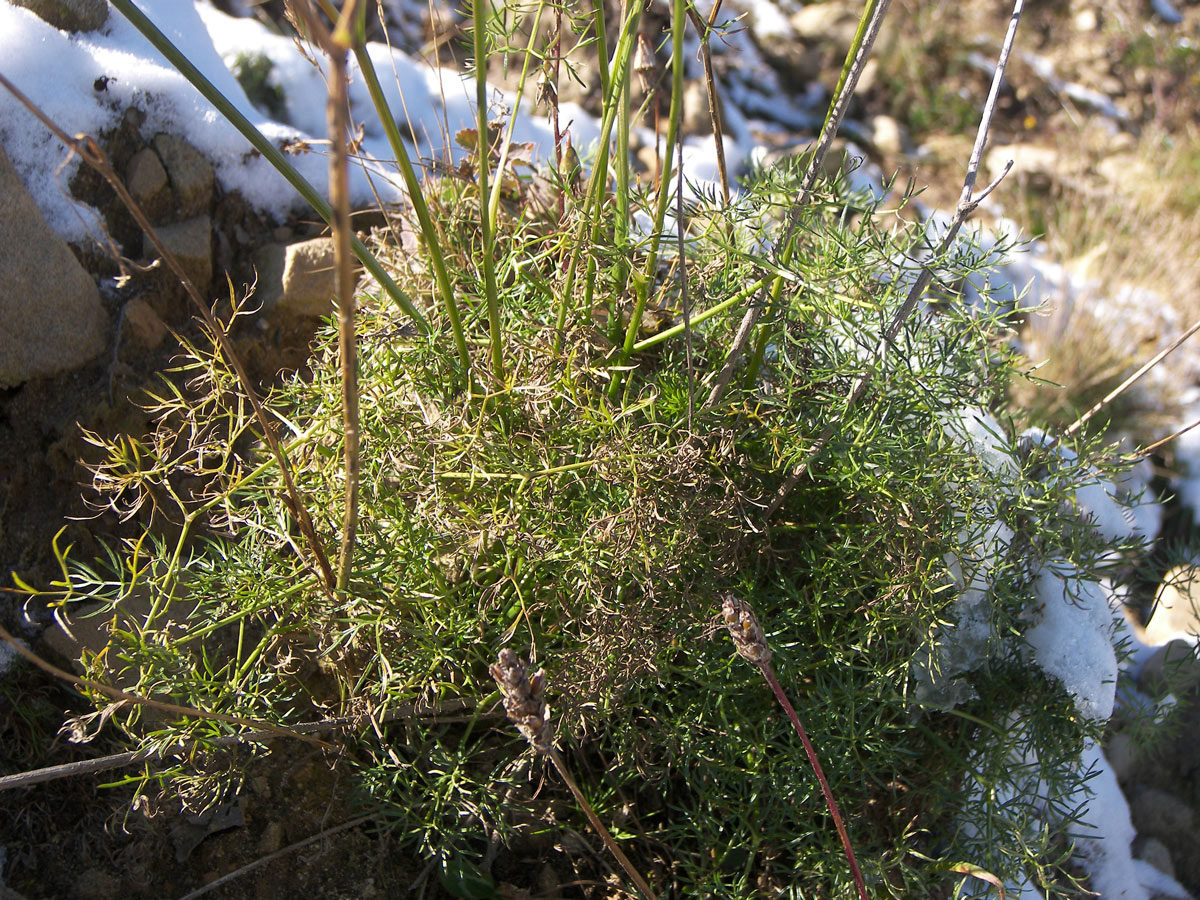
(598, 183)
(483, 151)
(642, 284)
(416, 195)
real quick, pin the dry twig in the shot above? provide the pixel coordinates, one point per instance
(967, 203)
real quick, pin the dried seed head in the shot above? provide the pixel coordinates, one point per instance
(748, 637)
(523, 700)
(643, 61)
(546, 92)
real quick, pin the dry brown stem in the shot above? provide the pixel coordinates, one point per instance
(91, 154)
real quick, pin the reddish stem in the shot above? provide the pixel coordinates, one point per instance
(769, 674)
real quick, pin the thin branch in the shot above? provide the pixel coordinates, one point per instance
(704, 30)
(751, 644)
(865, 38)
(967, 204)
(149, 754)
(683, 292)
(271, 857)
(91, 153)
(1130, 381)
(336, 45)
(525, 704)
(125, 696)
(1146, 451)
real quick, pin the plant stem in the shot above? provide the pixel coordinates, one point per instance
(339, 193)
(777, 690)
(483, 152)
(416, 196)
(643, 283)
(611, 844)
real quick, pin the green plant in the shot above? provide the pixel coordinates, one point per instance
(570, 498)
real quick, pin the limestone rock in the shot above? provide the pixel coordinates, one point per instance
(297, 278)
(1175, 613)
(146, 180)
(888, 136)
(1036, 166)
(1122, 755)
(142, 326)
(51, 319)
(833, 21)
(68, 15)
(1173, 669)
(190, 243)
(190, 174)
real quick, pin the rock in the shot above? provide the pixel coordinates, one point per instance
(1174, 614)
(833, 21)
(1156, 853)
(298, 279)
(1085, 20)
(89, 627)
(272, 838)
(141, 325)
(190, 243)
(696, 119)
(68, 15)
(51, 320)
(96, 884)
(888, 136)
(1162, 815)
(1173, 669)
(1122, 755)
(146, 180)
(1035, 166)
(190, 174)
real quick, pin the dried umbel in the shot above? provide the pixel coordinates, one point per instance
(748, 637)
(523, 699)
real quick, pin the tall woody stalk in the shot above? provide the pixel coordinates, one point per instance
(336, 45)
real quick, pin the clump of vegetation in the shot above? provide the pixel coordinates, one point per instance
(533, 468)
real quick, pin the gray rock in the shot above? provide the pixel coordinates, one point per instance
(1156, 853)
(1122, 755)
(68, 15)
(190, 174)
(1162, 815)
(51, 320)
(1172, 669)
(146, 180)
(190, 243)
(298, 279)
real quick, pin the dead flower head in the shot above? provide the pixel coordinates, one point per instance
(523, 700)
(748, 637)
